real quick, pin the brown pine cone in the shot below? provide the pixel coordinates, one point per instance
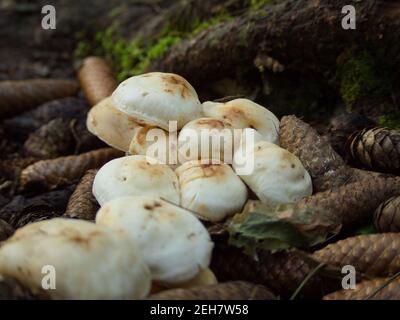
(283, 272)
(82, 204)
(234, 290)
(96, 79)
(5, 230)
(377, 149)
(327, 169)
(367, 288)
(52, 140)
(20, 126)
(342, 126)
(376, 255)
(21, 95)
(50, 174)
(355, 203)
(387, 216)
(23, 210)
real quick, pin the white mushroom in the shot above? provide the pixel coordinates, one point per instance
(206, 139)
(135, 175)
(156, 98)
(212, 191)
(111, 125)
(80, 259)
(155, 143)
(277, 176)
(174, 243)
(244, 113)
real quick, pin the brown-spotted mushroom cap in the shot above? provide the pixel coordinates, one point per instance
(134, 176)
(157, 98)
(244, 113)
(213, 191)
(174, 243)
(155, 143)
(111, 125)
(88, 261)
(206, 139)
(277, 176)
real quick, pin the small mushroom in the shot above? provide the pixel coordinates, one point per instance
(212, 191)
(155, 143)
(206, 139)
(157, 98)
(244, 113)
(87, 261)
(134, 176)
(174, 243)
(277, 176)
(111, 125)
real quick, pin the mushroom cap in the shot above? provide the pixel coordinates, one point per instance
(111, 125)
(90, 261)
(244, 113)
(133, 176)
(174, 243)
(157, 98)
(206, 139)
(278, 176)
(155, 143)
(213, 191)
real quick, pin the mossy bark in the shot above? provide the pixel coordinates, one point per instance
(284, 32)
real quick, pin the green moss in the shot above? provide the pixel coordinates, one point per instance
(359, 79)
(391, 118)
(203, 25)
(130, 58)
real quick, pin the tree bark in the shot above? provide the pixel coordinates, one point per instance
(303, 35)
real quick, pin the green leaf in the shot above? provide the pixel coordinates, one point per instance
(281, 227)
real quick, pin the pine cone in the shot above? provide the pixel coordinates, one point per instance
(52, 140)
(50, 174)
(235, 290)
(376, 255)
(5, 230)
(326, 167)
(377, 149)
(366, 289)
(355, 203)
(82, 204)
(23, 210)
(19, 127)
(96, 79)
(283, 272)
(387, 216)
(342, 126)
(21, 95)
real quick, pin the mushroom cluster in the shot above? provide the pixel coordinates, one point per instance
(158, 204)
(148, 233)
